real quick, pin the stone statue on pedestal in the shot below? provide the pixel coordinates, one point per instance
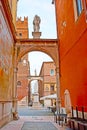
(36, 86)
(36, 23)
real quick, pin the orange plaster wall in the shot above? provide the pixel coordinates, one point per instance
(73, 53)
(74, 73)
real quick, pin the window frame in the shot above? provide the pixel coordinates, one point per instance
(79, 7)
(52, 72)
(76, 7)
(18, 83)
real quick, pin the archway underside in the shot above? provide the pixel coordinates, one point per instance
(48, 46)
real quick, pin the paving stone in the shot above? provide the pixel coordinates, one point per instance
(43, 121)
(38, 126)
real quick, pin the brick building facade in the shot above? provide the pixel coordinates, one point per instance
(23, 64)
(48, 85)
(22, 28)
(71, 18)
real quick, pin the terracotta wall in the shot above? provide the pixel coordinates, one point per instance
(48, 79)
(6, 58)
(23, 68)
(6, 62)
(22, 28)
(73, 52)
(22, 76)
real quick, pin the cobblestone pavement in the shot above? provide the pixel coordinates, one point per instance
(18, 124)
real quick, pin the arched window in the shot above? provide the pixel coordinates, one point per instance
(18, 83)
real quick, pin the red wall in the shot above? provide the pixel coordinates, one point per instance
(23, 72)
(73, 52)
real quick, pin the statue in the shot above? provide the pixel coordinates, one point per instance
(35, 72)
(36, 23)
(36, 86)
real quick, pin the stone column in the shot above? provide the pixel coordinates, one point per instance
(58, 101)
(14, 109)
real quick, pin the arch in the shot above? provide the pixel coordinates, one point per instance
(50, 47)
(30, 78)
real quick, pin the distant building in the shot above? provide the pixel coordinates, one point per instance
(22, 28)
(23, 64)
(48, 85)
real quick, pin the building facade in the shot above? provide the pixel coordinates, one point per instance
(22, 30)
(23, 65)
(7, 42)
(48, 85)
(72, 33)
(8, 69)
(22, 80)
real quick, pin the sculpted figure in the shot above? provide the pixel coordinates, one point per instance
(36, 23)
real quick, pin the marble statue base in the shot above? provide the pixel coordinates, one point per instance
(36, 35)
(36, 103)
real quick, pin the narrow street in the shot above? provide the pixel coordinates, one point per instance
(29, 111)
(34, 119)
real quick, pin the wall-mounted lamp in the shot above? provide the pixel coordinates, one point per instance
(64, 23)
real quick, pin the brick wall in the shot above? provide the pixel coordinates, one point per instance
(23, 65)
(49, 79)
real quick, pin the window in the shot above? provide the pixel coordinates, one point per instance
(52, 87)
(47, 88)
(24, 62)
(51, 72)
(85, 7)
(20, 34)
(19, 83)
(78, 6)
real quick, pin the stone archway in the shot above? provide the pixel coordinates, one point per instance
(32, 78)
(48, 46)
(35, 96)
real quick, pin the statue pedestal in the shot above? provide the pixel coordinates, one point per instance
(36, 103)
(36, 35)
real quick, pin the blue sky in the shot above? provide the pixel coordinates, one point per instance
(42, 8)
(46, 11)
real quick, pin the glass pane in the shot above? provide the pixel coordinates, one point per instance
(52, 72)
(79, 6)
